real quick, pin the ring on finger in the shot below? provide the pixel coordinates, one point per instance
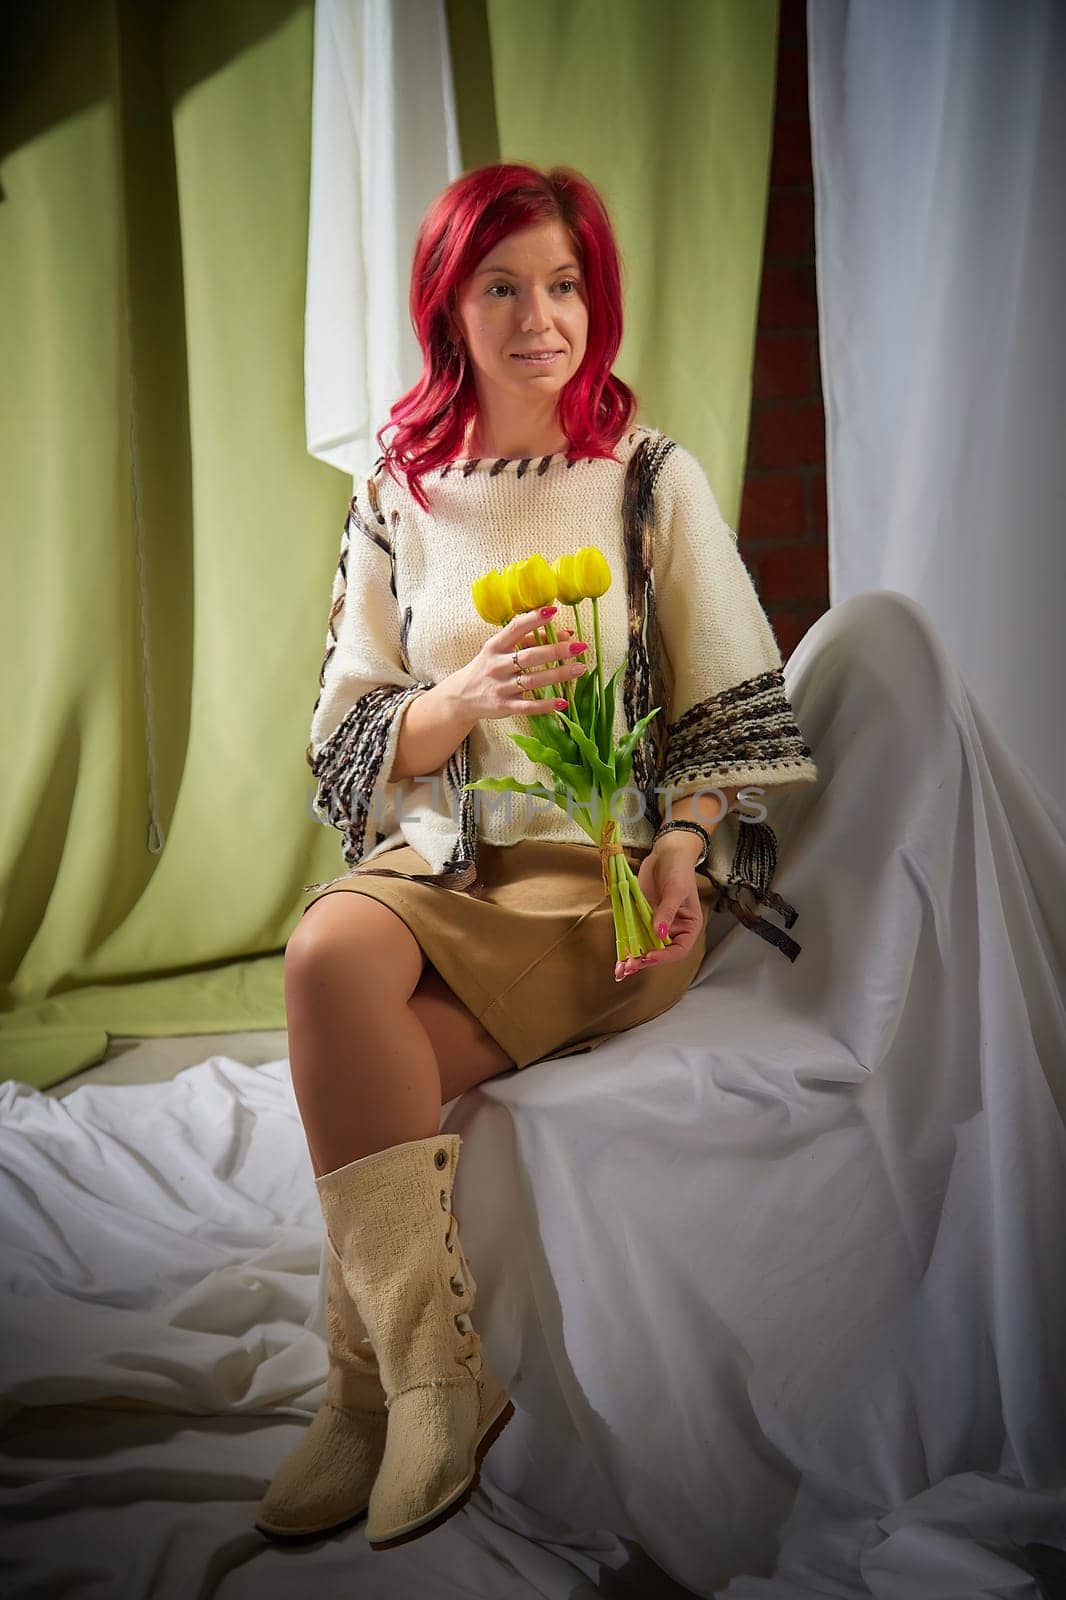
(522, 686)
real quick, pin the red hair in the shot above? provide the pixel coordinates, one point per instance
(460, 227)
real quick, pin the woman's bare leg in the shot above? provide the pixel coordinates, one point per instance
(364, 1070)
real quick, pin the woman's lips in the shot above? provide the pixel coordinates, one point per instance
(539, 360)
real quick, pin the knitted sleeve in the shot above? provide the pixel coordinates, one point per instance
(729, 720)
(364, 681)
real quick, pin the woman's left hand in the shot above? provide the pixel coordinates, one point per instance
(668, 881)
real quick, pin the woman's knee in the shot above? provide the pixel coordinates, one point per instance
(356, 940)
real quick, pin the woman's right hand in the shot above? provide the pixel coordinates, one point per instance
(489, 687)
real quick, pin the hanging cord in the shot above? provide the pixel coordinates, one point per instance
(155, 837)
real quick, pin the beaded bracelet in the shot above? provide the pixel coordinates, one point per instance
(692, 827)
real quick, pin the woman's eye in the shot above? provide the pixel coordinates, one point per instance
(495, 286)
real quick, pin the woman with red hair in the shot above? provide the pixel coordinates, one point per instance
(484, 945)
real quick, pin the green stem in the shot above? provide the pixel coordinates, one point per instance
(556, 691)
(539, 693)
(635, 933)
(616, 908)
(632, 936)
(646, 915)
(600, 703)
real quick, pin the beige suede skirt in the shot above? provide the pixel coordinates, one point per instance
(534, 958)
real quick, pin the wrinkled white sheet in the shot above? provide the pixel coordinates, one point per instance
(776, 1280)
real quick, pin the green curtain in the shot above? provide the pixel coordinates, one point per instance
(168, 544)
(668, 106)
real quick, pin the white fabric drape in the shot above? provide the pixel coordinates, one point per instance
(775, 1280)
(938, 138)
(384, 142)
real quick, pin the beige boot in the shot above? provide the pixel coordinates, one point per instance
(326, 1481)
(391, 1218)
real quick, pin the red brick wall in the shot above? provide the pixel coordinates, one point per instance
(782, 530)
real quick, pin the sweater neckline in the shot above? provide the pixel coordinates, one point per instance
(520, 465)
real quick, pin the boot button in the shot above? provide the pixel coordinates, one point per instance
(441, 1158)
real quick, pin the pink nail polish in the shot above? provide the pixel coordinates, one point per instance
(661, 930)
(549, 611)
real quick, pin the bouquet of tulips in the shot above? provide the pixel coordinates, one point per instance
(588, 768)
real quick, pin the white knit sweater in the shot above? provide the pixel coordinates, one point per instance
(681, 608)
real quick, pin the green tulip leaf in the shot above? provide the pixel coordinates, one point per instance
(602, 772)
(499, 785)
(535, 749)
(629, 741)
(586, 689)
(565, 771)
(552, 732)
(607, 725)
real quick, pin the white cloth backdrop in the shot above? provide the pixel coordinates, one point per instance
(383, 144)
(775, 1279)
(939, 145)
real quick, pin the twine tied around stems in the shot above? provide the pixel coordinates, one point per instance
(607, 848)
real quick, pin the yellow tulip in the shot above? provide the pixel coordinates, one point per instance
(492, 598)
(510, 573)
(568, 590)
(591, 571)
(533, 583)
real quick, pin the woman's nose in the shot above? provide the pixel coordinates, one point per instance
(537, 313)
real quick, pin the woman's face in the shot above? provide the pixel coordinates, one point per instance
(526, 294)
